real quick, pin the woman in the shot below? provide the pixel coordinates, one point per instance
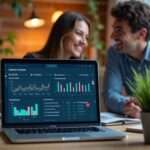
(68, 38)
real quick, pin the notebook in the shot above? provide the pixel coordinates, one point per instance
(52, 100)
(108, 118)
(138, 128)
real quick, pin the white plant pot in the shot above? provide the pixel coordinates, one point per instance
(145, 118)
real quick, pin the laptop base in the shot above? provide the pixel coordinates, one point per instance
(103, 134)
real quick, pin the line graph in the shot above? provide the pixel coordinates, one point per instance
(32, 88)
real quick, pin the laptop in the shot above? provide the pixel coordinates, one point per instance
(52, 100)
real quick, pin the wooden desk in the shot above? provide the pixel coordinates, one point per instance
(133, 141)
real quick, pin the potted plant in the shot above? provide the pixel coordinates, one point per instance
(141, 90)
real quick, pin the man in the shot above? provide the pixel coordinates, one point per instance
(131, 50)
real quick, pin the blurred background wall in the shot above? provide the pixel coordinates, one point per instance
(28, 39)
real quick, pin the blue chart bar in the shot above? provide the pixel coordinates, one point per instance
(29, 111)
(77, 87)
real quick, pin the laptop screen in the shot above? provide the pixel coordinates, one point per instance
(55, 92)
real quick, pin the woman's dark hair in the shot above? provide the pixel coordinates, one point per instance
(136, 13)
(64, 24)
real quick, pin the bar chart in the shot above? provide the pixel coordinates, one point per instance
(74, 87)
(28, 111)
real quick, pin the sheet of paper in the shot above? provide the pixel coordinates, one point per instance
(108, 118)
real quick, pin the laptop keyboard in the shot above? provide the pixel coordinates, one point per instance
(56, 130)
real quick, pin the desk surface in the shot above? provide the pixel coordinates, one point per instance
(134, 141)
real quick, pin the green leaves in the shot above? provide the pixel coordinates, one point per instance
(16, 5)
(7, 43)
(141, 89)
(92, 4)
(11, 37)
(6, 51)
(97, 26)
(17, 8)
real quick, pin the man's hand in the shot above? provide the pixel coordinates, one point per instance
(131, 108)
